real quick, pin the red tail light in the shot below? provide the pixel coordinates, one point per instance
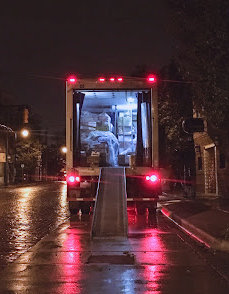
(71, 179)
(153, 178)
(120, 79)
(102, 80)
(112, 79)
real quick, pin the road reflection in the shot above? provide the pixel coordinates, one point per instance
(28, 214)
(148, 246)
(71, 269)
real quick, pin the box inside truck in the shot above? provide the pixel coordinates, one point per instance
(111, 128)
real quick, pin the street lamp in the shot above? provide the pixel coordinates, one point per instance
(25, 133)
(64, 149)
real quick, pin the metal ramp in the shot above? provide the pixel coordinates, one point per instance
(110, 213)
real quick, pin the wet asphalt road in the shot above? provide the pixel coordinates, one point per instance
(165, 259)
(27, 214)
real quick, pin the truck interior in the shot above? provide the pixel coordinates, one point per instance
(111, 128)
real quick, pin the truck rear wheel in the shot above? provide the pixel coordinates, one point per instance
(73, 207)
(85, 208)
(152, 209)
(140, 208)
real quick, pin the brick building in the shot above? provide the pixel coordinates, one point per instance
(212, 162)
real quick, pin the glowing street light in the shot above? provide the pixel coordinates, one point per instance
(25, 133)
(64, 149)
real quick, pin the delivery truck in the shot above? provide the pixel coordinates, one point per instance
(112, 122)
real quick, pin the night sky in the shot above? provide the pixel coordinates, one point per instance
(53, 38)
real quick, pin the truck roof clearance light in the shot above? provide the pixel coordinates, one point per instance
(151, 79)
(152, 178)
(72, 80)
(120, 79)
(112, 79)
(102, 80)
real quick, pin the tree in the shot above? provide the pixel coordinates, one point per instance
(202, 30)
(175, 104)
(28, 156)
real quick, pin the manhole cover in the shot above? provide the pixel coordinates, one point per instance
(112, 259)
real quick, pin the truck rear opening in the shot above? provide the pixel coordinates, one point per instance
(111, 124)
(108, 124)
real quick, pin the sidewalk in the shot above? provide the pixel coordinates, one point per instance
(204, 219)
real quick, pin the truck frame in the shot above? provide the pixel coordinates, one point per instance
(142, 177)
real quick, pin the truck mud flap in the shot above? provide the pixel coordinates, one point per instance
(110, 213)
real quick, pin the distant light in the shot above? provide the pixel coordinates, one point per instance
(120, 79)
(112, 79)
(64, 149)
(72, 80)
(130, 99)
(24, 133)
(152, 79)
(78, 179)
(102, 80)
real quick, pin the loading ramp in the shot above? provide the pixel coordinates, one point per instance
(110, 213)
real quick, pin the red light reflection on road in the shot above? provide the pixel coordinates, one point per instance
(71, 264)
(150, 249)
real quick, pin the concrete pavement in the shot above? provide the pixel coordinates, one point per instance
(205, 219)
(154, 259)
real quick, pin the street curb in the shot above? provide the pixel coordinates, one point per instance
(197, 233)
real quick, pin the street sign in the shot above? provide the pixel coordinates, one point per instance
(2, 157)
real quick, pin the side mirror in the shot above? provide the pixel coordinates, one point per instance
(193, 125)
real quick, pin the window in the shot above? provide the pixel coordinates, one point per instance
(222, 160)
(200, 163)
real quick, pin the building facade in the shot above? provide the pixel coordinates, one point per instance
(212, 162)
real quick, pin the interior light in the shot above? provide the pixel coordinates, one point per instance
(132, 106)
(130, 99)
(72, 80)
(151, 79)
(120, 79)
(102, 80)
(112, 79)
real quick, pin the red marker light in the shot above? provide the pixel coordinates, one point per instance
(71, 179)
(102, 80)
(151, 79)
(152, 178)
(72, 80)
(112, 79)
(120, 79)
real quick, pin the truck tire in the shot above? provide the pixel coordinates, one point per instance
(73, 207)
(85, 208)
(152, 209)
(140, 208)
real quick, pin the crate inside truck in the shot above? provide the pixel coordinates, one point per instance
(112, 122)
